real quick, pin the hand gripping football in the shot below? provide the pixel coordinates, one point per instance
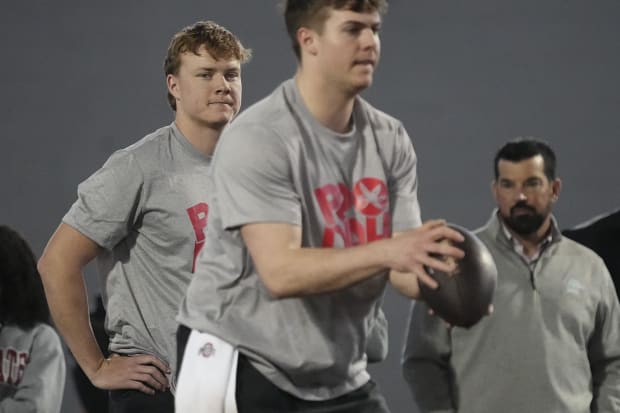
(463, 297)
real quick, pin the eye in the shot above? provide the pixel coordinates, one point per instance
(533, 183)
(231, 76)
(205, 75)
(353, 28)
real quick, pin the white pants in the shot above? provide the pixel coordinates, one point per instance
(208, 377)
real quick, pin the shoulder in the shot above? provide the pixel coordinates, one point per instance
(379, 120)
(46, 332)
(389, 133)
(35, 336)
(146, 147)
(138, 160)
(579, 252)
(264, 124)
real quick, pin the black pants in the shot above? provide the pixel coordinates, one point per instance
(134, 401)
(183, 333)
(256, 394)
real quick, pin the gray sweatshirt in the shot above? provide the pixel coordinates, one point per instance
(552, 344)
(32, 370)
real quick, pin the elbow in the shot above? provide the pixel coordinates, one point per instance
(49, 267)
(44, 267)
(277, 289)
(277, 285)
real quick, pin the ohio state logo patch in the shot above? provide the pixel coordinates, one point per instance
(207, 350)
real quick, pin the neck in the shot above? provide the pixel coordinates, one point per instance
(201, 137)
(329, 105)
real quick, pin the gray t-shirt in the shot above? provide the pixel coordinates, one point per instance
(276, 163)
(147, 208)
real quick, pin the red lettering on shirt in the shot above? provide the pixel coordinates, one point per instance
(198, 217)
(357, 216)
(334, 201)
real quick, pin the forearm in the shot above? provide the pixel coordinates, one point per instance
(305, 271)
(67, 299)
(61, 266)
(289, 269)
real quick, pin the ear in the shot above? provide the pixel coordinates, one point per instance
(556, 188)
(173, 85)
(307, 39)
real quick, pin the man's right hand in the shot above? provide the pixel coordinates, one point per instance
(144, 373)
(412, 251)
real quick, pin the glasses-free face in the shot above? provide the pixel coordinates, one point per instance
(207, 90)
(524, 194)
(347, 48)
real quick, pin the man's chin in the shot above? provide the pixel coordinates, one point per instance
(524, 226)
(360, 85)
(218, 124)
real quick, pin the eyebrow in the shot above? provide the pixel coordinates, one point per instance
(214, 69)
(358, 23)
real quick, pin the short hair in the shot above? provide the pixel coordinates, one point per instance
(219, 42)
(313, 13)
(525, 148)
(22, 299)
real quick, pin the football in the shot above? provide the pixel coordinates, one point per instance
(463, 296)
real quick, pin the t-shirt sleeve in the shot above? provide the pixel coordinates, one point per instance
(253, 178)
(42, 385)
(403, 183)
(108, 201)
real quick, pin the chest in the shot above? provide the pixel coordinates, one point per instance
(343, 189)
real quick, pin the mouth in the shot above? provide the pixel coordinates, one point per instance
(366, 62)
(230, 104)
(522, 210)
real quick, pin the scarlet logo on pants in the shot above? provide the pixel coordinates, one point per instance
(354, 217)
(198, 217)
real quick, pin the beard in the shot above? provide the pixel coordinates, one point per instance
(525, 224)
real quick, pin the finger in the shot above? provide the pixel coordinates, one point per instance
(445, 232)
(426, 279)
(433, 223)
(491, 309)
(146, 359)
(138, 385)
(155, 373)
(447, 266)
(149, 380)
(446, 249)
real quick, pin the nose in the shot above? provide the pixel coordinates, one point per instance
(223, 86)
(370, 39)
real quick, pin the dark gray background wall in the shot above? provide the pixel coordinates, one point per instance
(81, 79)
